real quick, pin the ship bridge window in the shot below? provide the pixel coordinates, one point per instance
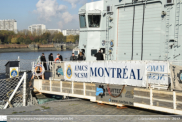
(93, 52)
(82, 21)
(94, 21)
(169, 1)
(76, 53)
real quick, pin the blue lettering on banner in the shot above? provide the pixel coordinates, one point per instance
(139, 74)
(125, 72)
(153, 68)
(105, 72)
(92, 72)
(81, 75)
(113, 72)
(119, 73)
(156, 68)
(101, 69)
(81, 68)
(154, 76)
(132, 74)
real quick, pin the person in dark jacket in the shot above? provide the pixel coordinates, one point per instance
(80, 56)
(73, 57)
(51, 58)
(43, 60)
(99, 56)
(60, 57)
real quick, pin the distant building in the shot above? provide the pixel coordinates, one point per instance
(10, 25)
(64, 32)
(53, 30)
(70, 32)
(37, 28)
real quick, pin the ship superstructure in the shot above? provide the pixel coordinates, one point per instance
(132, 29)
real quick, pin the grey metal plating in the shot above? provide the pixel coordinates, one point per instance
(154, 25)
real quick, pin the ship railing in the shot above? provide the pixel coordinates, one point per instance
(15, 92)
(159, 100)
(158, 85)
(25, 64)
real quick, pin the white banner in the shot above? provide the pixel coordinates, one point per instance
(133, 73)
(97, 71)
(77, 71)
(110, 72)
(158, 72)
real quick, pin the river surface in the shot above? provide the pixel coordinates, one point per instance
(34, 55)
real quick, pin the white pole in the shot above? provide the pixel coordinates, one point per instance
(147, 85)
(151, 97)
(51, 68)
(171, 76)
(24, 89)
(61, 86)
(72, 87)
(50, 85)
(33, 70)
(174, 100)
(84, 89)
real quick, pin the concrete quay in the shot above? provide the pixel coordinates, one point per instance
(86, 111)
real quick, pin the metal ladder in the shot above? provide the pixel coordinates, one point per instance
(177, 16)
(107, 39)
(167, 32)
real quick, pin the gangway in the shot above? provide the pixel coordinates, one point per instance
(153, 99)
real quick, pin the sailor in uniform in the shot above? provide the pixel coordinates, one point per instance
(43, 60)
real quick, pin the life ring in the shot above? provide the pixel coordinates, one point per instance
(40, 71)
(57, 59)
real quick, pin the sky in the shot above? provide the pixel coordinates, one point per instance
(55, 14)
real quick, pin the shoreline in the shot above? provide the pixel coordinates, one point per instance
(36, 48)
(6, 50)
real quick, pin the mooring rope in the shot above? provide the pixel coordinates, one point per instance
(111, 94)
